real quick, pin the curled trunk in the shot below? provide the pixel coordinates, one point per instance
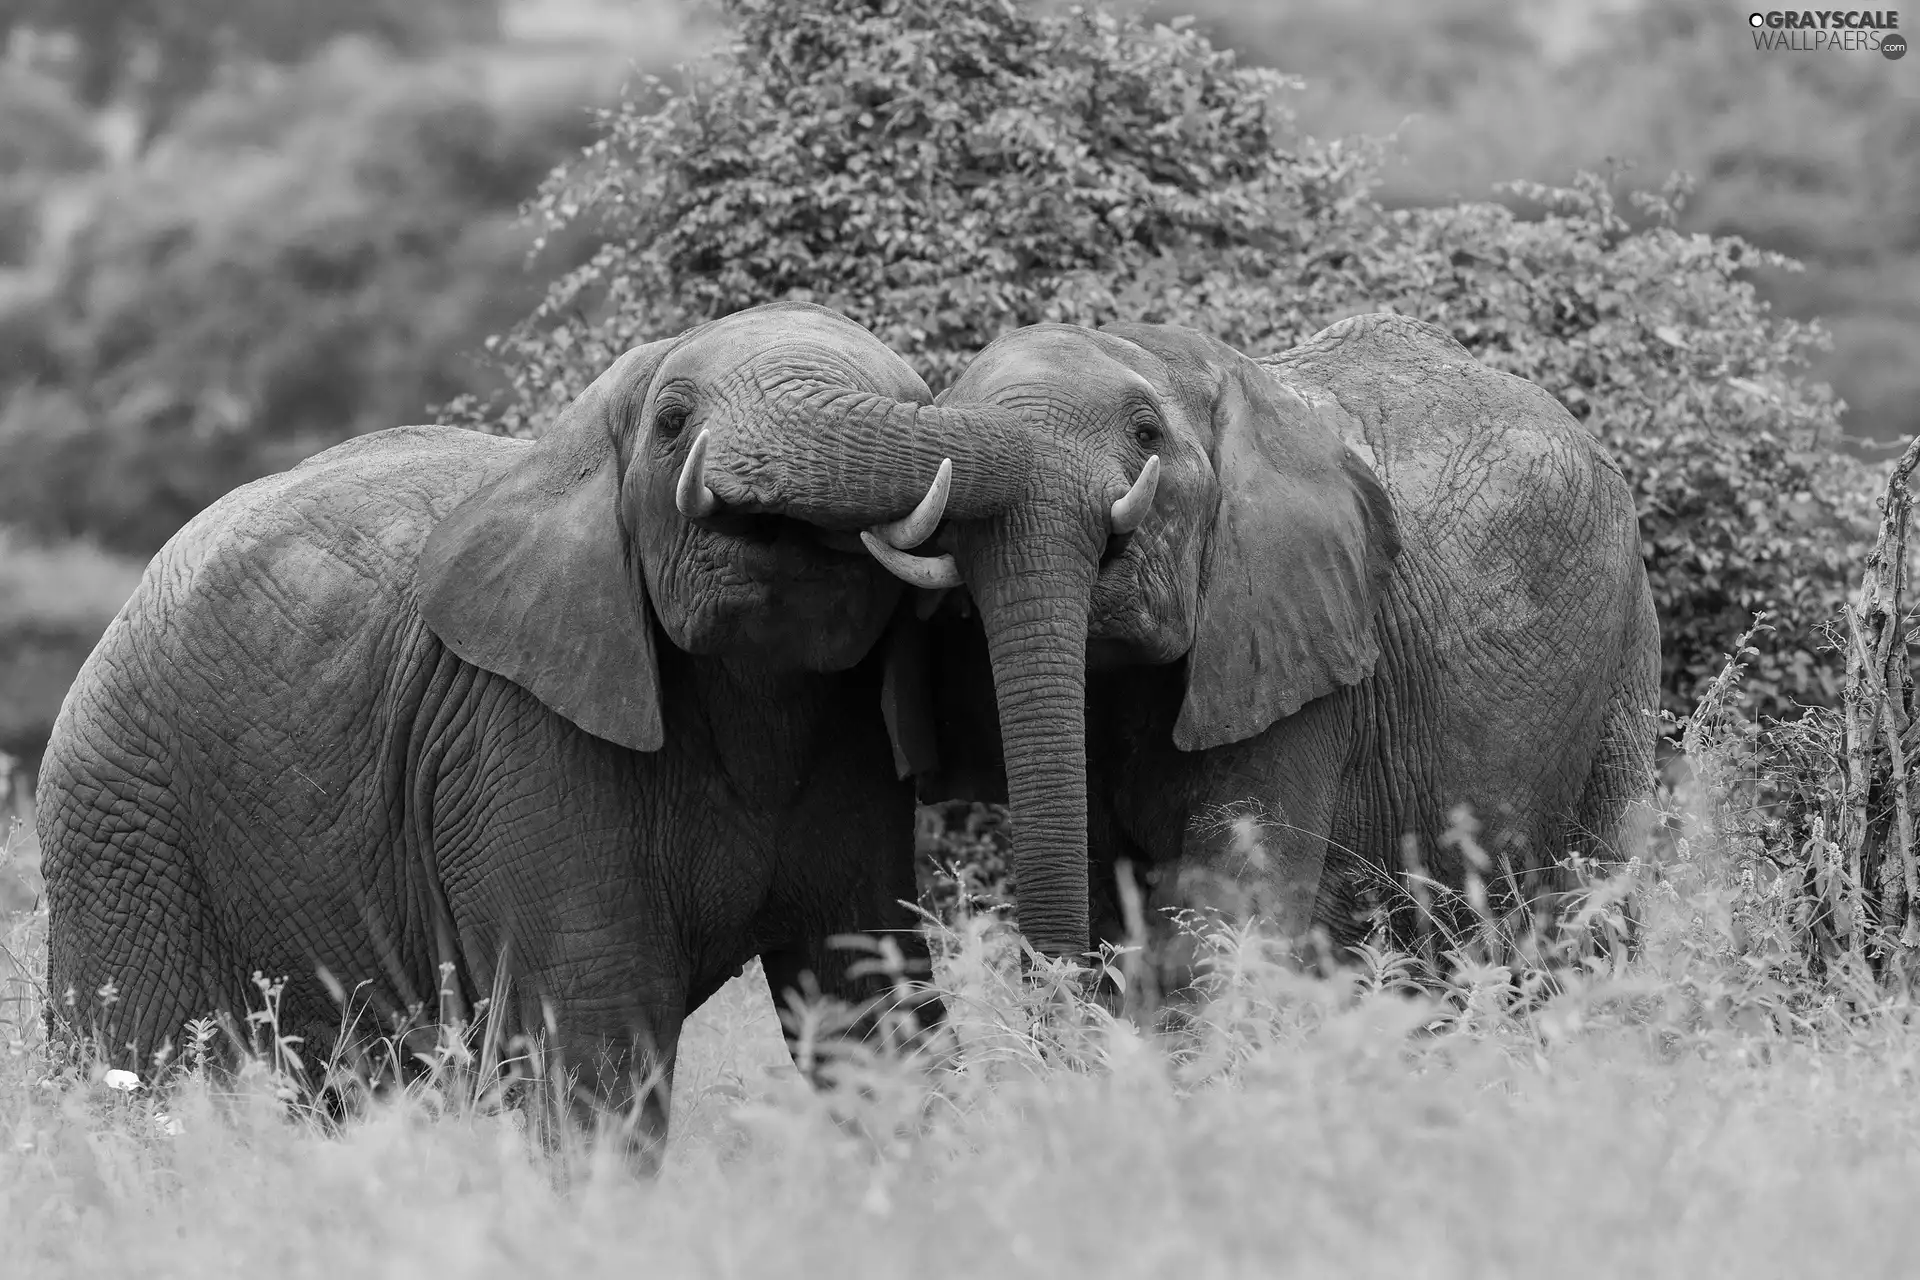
(854, 459)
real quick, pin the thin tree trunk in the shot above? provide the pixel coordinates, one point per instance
(1878, 699)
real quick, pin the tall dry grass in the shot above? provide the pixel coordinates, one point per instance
(1707, 1105)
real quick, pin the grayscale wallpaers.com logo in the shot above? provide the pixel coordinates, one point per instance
(1821, 30)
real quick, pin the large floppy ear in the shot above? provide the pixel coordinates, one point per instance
(532, 578)
(1299, 553)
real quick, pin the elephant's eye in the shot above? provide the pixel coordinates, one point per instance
(670, 421)
(1146, 427)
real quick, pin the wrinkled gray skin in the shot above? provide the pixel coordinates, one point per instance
(1377, 579)
(439, 697)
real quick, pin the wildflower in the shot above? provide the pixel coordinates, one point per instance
(876, 1201)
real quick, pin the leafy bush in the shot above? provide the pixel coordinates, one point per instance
(946, 170)
(301, 261)
(939, 171)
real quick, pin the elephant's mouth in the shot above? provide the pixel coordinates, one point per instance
(770, 531)
(734, 515)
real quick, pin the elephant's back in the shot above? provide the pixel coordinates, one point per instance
(284, 596)
(1484, 469)
(370, 498)
(1423, 405)
(320, 548)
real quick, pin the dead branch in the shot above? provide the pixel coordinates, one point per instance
(1878, 701)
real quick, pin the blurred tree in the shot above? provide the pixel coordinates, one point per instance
(44, 136)
(940, 170)
(1413, 53)
(1816, 156)
(946, 170)
(164, 52)
(42, 130)
(306, 259)
(1812, 155)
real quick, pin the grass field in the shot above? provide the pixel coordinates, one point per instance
(1698, 1111)
(1673, 1118)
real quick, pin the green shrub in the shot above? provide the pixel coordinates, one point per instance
(946, 170)
(940, 171)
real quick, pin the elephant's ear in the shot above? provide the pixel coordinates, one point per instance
(532, 578)
(1299, 553)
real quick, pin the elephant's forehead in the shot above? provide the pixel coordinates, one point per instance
(1053, 359)
(805, 344)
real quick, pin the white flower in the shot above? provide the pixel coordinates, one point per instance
(124, 1081)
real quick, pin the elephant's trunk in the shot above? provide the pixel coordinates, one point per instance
(1033, 594)
(1031, 571)
(848, 459)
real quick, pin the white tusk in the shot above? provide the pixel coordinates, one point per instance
(931, 572)
(1134, 504)
(691, 495)
(918, 525)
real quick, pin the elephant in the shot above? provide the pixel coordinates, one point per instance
(575, 727)
(1341, 589)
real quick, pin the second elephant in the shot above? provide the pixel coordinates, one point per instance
(1347, 587)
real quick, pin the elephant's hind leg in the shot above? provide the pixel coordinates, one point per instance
(131, 953)
(1612, 819)
(1612, 813)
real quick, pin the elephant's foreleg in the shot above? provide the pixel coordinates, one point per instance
(132, 952)
(589, 1012)
(852, 877)
(1259, 839)
(603, 1072)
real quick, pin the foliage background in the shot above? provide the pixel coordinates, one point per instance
(944, 173)
(228, 241)
(235, 231)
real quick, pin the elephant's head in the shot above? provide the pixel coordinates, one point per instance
(709, 481)
(1181, 503)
